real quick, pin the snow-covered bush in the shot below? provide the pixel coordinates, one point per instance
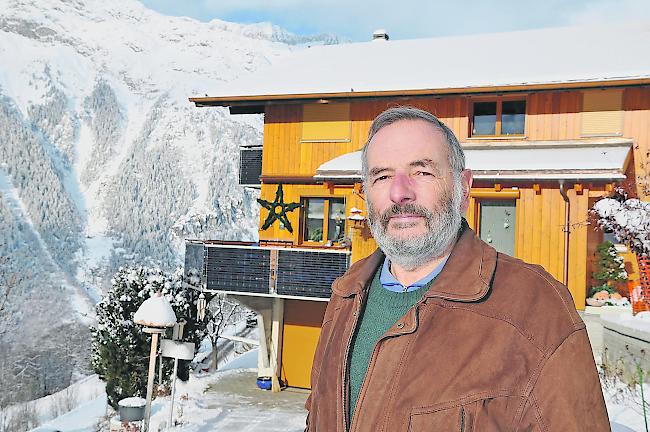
(627, 218)
(120, 349)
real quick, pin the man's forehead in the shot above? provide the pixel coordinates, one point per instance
(407, 141)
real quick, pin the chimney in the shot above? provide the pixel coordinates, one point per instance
(379, 35)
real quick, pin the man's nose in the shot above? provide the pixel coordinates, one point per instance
(401, 190)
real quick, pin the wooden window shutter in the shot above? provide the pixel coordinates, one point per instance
(602, 113)
(326, 122)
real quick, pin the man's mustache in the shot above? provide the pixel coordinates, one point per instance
(406, 209)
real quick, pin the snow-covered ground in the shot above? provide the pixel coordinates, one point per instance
(227, 400)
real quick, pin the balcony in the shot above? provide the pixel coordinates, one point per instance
(267, 271)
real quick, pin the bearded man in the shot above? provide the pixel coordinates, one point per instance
(437, 331)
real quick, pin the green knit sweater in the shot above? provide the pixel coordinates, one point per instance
(383, 308)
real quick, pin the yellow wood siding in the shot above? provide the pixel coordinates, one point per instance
(293, 193)
(550, 115)
(636, 125)
(363, 244)
(553, 115)
(302, 322)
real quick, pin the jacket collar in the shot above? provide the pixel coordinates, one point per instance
(466, 276)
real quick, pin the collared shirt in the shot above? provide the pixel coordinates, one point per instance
(389, 282)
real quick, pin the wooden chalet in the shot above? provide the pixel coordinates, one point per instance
(550, 120)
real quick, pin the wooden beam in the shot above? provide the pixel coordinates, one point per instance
(503, 193)
(578, 188)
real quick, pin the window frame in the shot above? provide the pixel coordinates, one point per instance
(499, 112)
(326, 218)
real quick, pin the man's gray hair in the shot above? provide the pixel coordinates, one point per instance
(393, 115)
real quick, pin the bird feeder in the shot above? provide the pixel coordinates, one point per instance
(155, 314)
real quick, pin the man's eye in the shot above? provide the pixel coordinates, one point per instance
(380, 178)
(423, 174)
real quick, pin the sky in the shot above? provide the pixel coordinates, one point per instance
(356, 20)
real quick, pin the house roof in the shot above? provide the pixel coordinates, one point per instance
(604, 160)
(548, 58)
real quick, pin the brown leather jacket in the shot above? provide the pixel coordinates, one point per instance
(495, 345)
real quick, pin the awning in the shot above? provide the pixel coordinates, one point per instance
(604, 160)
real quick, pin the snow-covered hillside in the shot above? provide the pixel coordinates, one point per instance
(103, 161)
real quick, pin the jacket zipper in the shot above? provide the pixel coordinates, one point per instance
(346, 381)
(462, 419)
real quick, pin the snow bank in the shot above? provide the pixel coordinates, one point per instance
(636, 326)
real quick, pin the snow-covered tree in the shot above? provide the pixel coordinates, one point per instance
(120, 349)
(627, 218)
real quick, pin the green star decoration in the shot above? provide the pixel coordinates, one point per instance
(278, 210)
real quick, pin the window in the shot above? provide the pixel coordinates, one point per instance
(497, 224)
(602, 113)
(326, 122)
(323, 220)
(498, 118)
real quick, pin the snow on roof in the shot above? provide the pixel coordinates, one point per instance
(534, 57)
(155, 312)
(519, 161)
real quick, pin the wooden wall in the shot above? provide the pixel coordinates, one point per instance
(300, 332)
(293, 193)
(636, 124)
(551, 115)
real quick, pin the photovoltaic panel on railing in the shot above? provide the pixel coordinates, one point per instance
(238, 269)
(250, 166)
(193, 259)
(309, 273)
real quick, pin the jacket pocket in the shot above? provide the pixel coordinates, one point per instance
(454, 419)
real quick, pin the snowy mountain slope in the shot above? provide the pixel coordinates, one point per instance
(95, 97)
(104, 160)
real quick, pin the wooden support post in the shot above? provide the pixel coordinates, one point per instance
(578, 188)
(263, 353)
(152, 374)
(276, 342)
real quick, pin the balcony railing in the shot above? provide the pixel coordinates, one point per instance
(263, 270)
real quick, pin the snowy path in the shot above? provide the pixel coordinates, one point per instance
(232, 402)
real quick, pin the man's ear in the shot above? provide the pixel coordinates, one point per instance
(466, 180)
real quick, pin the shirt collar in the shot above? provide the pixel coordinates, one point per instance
(389, 282)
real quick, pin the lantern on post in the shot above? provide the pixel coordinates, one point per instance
(357, 219)
(200, 307)
(155, 314)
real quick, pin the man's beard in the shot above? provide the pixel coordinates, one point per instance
(412, 252)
